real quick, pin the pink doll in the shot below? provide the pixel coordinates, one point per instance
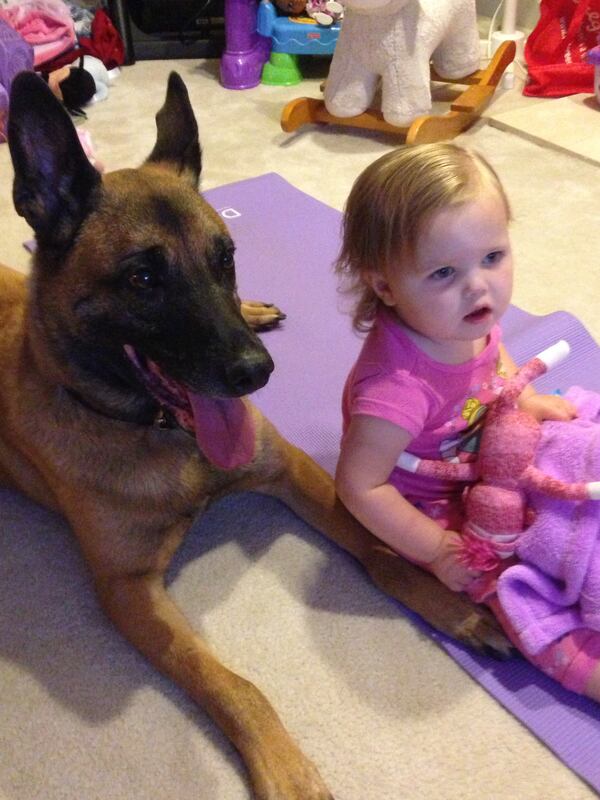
(496, 506)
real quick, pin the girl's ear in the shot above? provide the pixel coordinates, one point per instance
(381, 287)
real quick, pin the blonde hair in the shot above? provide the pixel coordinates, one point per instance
(389, 204)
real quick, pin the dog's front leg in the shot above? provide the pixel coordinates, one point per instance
(310, 492)
(142, 610)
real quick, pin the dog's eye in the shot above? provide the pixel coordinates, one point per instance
(144, 279)
(227, 261)
(143, 270)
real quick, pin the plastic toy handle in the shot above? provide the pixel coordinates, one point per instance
(593, 490)
(408, 462)
(554, 354)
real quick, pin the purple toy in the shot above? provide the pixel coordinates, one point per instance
(245, 50)
(15, 55)
(505, 475)
(555, 588)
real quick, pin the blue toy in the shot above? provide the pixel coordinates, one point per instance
(291, 37)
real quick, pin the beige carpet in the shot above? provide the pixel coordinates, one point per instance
(384, 713)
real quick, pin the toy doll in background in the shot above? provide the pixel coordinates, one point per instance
(78, 85)
(426, 253)
(73, 86)
(325, 12)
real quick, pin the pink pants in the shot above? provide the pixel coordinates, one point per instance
(571, 659)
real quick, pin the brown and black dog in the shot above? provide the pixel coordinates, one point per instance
(124, 365)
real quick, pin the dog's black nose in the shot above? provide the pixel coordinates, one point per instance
(249, 372)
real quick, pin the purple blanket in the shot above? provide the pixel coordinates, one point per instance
(556, 588)
(15, 55)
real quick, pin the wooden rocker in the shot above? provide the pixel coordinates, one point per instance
(464, 110)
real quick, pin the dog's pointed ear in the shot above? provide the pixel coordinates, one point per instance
(55, 186)
(177, 146)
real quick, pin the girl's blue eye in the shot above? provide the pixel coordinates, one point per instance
(442, 273)
(493, 257)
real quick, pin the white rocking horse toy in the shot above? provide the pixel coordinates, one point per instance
(401, 46)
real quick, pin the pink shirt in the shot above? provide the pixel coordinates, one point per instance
(440, 405)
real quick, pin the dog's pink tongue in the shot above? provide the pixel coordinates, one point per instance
(224, 430)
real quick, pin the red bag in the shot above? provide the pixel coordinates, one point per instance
(105, 42)
(556, 49)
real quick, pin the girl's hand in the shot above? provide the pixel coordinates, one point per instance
(548, 406)
(540, 406)
(446, 566)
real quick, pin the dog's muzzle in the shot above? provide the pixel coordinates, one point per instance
(249, 372)
(223, 426)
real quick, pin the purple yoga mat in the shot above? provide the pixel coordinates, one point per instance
(286, 242)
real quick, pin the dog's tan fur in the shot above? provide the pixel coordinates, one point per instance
(130, 490)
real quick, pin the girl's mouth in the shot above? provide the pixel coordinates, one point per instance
(479, 315)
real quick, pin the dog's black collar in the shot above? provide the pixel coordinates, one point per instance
(162, 418)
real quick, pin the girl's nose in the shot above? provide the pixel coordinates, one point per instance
(475, 283)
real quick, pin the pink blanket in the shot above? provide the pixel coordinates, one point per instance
(46, 24)
(556, 587)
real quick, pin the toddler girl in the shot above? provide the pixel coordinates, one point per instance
(426, 248)
(426, 251)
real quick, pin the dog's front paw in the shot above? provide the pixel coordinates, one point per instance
(261, 316)
(286, 774)
(481, 631)
(452, 613)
